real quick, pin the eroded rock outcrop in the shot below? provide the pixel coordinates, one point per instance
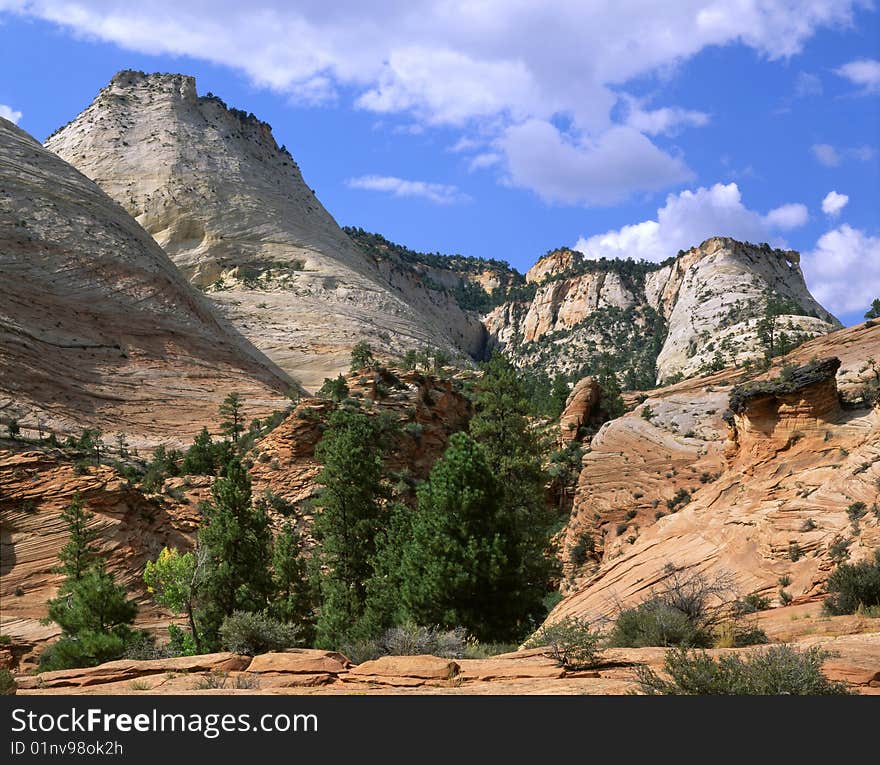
(666, 484)
(580, 406)
(232, 210)
(700, 311)
(97, 326)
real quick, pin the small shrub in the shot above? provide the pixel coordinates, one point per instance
(253, 633)
(681, 498)
(7, 683)
(212, 681)
(778, 670)
(853, 586)
(738, 634)
(411, 640)
(246, 682)
(621, 528)
(582, 549)
(751, 604)
(794, 552)
(630, 514)
(839, 550)
(647, 413)
(140, 685)
(785, 597)
(808, 525)
(570, 642)
(784, 580)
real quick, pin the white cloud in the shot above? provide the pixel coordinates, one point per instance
(826, 154)
(864, 72)
(491, 65)
(439, 193)
(787, 217)
(8, 113)
(486, 159)
(566, 169)
(834, 203)
(689, 218)
(664, 121)
(830, 266)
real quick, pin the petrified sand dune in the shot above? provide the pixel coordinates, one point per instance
(97, 326)
(768, 490)
(232, 210)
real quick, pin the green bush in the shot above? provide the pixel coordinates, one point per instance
(750, 604)
(779, 670)
(571, 642)
(853, 585)
(680, 612)
(7, 683)
(253, 633)
(582, 549)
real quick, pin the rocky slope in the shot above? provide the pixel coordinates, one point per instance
(131, 529)
(232, 210)
(761, 494)
(697, 312)
(97, 326)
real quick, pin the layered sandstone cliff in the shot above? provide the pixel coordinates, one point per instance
(760, 495)
(97, 326)
(701, 311)
(232, 210)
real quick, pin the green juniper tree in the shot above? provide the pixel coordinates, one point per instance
(78, 554)
(874, 311)
(293, 599)
(362, 356)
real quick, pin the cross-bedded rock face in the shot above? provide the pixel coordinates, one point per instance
(97, 326)
(232, 210)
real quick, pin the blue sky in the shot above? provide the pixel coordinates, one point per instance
(506, 128)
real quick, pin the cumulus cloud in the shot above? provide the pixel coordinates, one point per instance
(439, 193)
(830, 266)
(689, 218)
(864, 72)
(8, 113)
(567, 169)
(834, 203)
(466, 64)
(787, 217)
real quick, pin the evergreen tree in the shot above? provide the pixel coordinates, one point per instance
(514, 457)
(92, 610)
(455, 567)
(362, 357)
(199, 459)
(293, 598)
(334, 388)
(78, 554)
(14, 429)
(237, 541)
(233, 425)
(874, 311)
(349, 518)
(95, 618)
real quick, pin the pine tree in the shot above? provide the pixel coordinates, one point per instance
(293, 597)
(95, 618)
(199, 459)
(874, 311)
(514, 457)
(78, 554)
(455, 566)
(233, 425)
(237, 541)
(349, 519)
(362, 357)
